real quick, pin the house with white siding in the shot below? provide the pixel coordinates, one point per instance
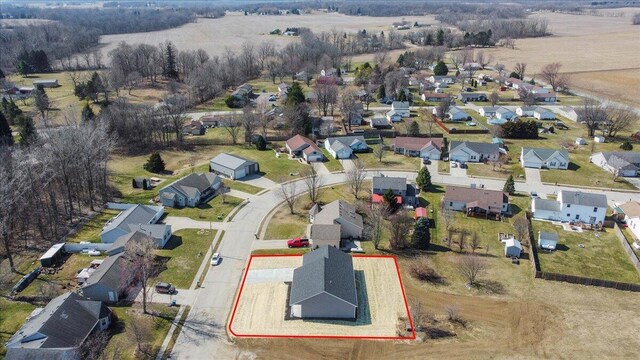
(467, 151)
(631, 211)
(401, 107)
(342, 147)
(625, 163)
(137, 217)
(572, 206)
(539, 158)
(304, 148)
(425, 148)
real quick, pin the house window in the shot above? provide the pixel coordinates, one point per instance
(568, 205)
(595, 209)
(568, 215)
(562, 164)
(577, 216)
(451, 204)
(553, 163)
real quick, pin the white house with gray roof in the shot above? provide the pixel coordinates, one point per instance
(322, 230)
(343, 147)
(467, 151)
(190, 190)
(539, 158)
(572, 206)
(137, 217)
(401, 107)
(454, 113)
(504, 113)
(625, 163)
(233, 166)
(324, 287)
(59, 329)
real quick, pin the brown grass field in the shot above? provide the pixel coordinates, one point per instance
(231, 31)
(261, 307)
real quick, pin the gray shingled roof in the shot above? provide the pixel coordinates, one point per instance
(194, 182)
(325, 232)
(137, 214)
(584, 199)
(231, 161)
(64, 323)
(345, 141)
(388, 182)
(123, 240)
(545, 154)
(622, 159)
(478, 147)
(546, 235)
(400, 105)
(338, 209)
(110, 272)
(544, 204)
(325, 269)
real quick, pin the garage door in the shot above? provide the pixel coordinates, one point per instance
(315, 157)
(240, 173)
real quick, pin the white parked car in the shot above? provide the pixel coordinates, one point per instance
(215, 259)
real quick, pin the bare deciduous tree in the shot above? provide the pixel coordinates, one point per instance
(355, 177)
(429, 120)
(399, 226)
(443, 108)
(249, 122)
(375, 220)
(618, 118)
(474, 242)
(141, 333)
(92, 348)
(313, 183)
(550, 73)
(520, 69)
(378, 151)
(141, 256)
(592, 115)
(326, 97)
(287, 193)
(521, 227)
(471, 267)
(233, 126)
(494, 98)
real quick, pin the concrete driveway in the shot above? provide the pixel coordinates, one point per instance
(320, 168)
(269, 244)
(347, 164)
(260, 276)
(457, 172)
(182, 296)
(259, 181)
(180, 222)
(532, 176)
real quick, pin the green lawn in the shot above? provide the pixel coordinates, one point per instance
(122, 344)
(214, 210)
(240, 186)
(390, 161)
(284, 225)
(13, 315)
(487, 170)
(91, 230)
(330, 162)
(602, 257)
(183, 255)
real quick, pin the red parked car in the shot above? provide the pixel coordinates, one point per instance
(298, 242)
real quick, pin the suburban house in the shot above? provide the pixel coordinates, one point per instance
(631, 211)
(549, 97)
(525, 111)
(455, 113)
(243, 91)
(441, 79)
(111, 281)
(405, 193)
(476, 201)
(343, 147)
(380, 122)
(232, 166)
(119, 245)
(324, 287)
(303, 76)
(572, 206)
(283, 89)
(304, 148)
(547, 240)
(209, 121)
(426, 148)
(137, 218)
(193, 127)
(625, 163)
(401, 107)
(330, 72)
(488, 111)
(539, 158)
(59, 329)
(46, 83)
(394, 116)
(434, 97)
(466, 151)
(190, 190)
(568, 112)
(503, 113)
(542, 113)
(340, 213)
(472, 96)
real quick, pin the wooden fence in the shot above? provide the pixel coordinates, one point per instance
(539, 274)
(627, 248)
(444, 127)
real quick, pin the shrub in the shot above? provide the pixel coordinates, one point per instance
(422, 270)
(155, 163)
(261, 143)
(626, 146)
(520, 129)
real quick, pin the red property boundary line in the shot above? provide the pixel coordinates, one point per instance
(404, 297)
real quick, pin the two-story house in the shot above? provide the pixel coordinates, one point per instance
(572, 206)
(405, 192)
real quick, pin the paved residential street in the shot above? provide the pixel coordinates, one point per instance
(204, 336)
(180, 222)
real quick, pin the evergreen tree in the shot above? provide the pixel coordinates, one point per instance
(23, 68)
(421, 237)
(381, 92)
(514, 75)
(424, 178)
(400, 60)
(414, 129)
(155, 163)
(170, 70)
(402, 96)
(509, 186)
(261, 143)
(440, 37)
(1, 74)
(429, 39)
(445, 148)
(87, 113)
(390, 200)
(295, 95)
(441, 69)
(27, 130)
(11, 110)
(6, 137)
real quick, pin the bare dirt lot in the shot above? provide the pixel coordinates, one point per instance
(261, 307)
(231, 31)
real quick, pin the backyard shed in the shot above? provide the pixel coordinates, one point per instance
(581, 141)
(512, 248)
(53, 255)
(547, 240)
(420, 212)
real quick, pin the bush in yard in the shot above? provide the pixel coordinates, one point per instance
(390, 200)
(424, 178)
(440, 69)
(155, 163)
(514, 75)
(626, 146)
(509, 185)
(235, 102)
(520, 129)
(421, 237)
(261, 143)
(422, 270)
